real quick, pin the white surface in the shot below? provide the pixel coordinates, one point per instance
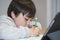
(33, 38)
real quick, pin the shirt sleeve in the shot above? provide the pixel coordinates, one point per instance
(24, 32)
(10, 32)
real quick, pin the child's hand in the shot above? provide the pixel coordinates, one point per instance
(34, 31)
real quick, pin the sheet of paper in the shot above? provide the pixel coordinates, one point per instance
(33, 38)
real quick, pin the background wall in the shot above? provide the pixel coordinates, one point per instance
(41, 12)
(58, 5)
(3, 6)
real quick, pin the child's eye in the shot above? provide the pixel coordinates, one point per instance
(26, 19)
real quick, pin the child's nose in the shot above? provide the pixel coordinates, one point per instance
(28, 22)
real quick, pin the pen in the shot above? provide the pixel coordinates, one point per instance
(36, 22)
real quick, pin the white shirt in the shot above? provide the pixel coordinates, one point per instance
(8, 29)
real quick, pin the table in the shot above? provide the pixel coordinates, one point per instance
(33, 38)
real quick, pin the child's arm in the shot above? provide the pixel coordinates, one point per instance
(10, 32)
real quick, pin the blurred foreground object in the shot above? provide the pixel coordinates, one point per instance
(36, 23)
(53, 32)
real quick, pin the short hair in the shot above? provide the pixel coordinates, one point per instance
(22, 6)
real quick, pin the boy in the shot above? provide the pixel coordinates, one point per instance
(14, 26)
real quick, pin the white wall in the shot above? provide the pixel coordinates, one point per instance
(58, 5)
(48, 12)
(3, 6)
(41, 11)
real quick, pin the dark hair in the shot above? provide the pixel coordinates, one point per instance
(22, 6)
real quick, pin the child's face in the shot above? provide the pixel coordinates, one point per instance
(21, 20)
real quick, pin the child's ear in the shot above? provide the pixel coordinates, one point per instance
(13, 15)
